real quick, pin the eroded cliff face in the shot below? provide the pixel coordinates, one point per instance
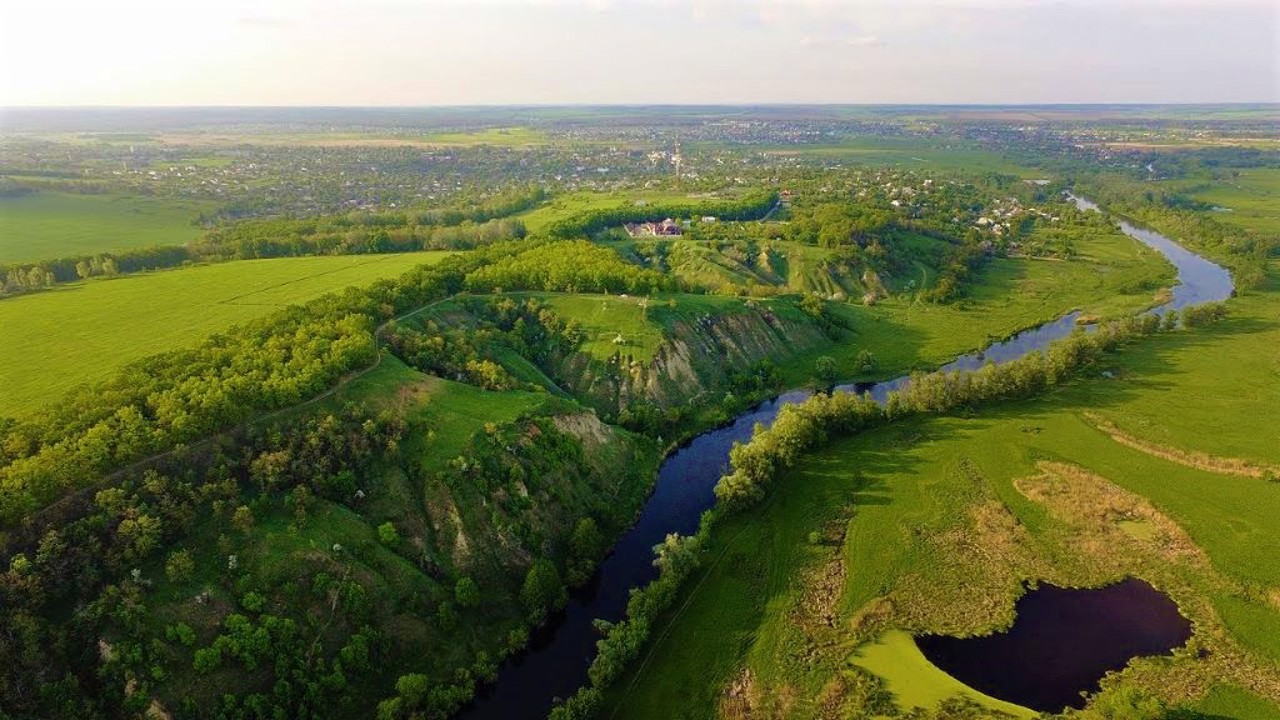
(697, 360)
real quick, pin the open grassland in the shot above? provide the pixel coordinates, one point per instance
(48, 225)
(499, 137)
(611, 323)
(81, 332)
(564, 206)
(932, 524)
(912, 154)
(1225, 701)
(1248, 200)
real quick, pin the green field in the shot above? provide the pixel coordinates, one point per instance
(611, 323)
(916, 682)
(48, 225)
(897, 514)
(1249, 200)
(565, 206)
(913, 154)
(82, 332)
(500, 137)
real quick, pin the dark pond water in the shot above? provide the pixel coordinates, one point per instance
(1062, 643)
(556, 661)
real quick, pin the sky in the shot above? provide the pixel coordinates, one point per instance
(481, 52)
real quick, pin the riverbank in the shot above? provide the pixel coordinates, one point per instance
(872, 523)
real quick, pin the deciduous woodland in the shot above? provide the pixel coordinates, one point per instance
(631, 413)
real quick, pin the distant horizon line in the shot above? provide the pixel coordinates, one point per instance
(1236, 103)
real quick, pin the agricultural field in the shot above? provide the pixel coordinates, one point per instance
(880, 512)
(47, 225)
(499, 137)
(81, 332)
(914, 154)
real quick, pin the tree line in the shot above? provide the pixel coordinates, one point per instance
(185, 395)
(568, 266)
(450, 228)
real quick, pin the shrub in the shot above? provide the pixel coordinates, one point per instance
(467, 593)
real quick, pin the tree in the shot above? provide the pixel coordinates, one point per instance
(543, 591)
(141, 535)
(446, 616)
(179, 567)
(825, 371)
(388, 535)
(467, 593)
(243, 519)
(586, 543)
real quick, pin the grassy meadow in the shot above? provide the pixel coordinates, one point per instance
(81, 332)
(933, 524)
(47, 225)
(611, 323)
(916, 682)
(498, 137)
(563, 206)
(912, 154)
(1249, 200)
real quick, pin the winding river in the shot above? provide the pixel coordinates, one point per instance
(556, 661)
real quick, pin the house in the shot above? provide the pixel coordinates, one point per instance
(666, 228)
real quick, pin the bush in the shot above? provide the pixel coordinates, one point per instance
(467, 593)
(388, 535)
(179, 568)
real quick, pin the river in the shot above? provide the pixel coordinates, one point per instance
(556, 661)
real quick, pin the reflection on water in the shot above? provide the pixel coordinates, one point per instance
(1062, 643)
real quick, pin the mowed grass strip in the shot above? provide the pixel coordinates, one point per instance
(916, 682)
(83, 332)
(49, 225)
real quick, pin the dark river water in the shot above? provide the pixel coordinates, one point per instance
(1062, 643)
(556, 661)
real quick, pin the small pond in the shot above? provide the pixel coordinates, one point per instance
(1062, 643)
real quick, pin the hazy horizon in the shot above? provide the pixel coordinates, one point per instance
(495, 53)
